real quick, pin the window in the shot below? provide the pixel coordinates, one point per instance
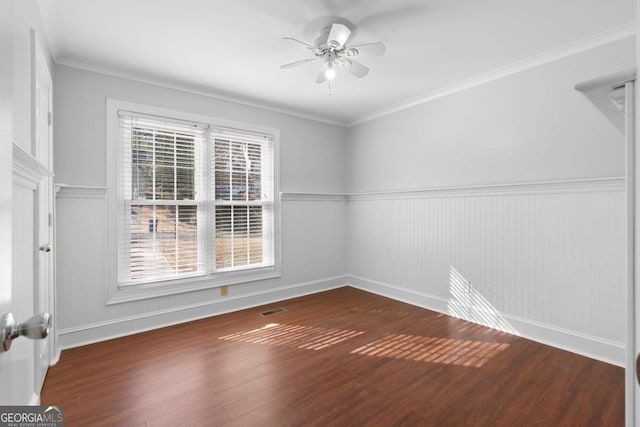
(195, 202)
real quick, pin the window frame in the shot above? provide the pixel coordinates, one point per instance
(117, 292)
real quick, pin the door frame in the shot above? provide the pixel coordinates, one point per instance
(632, 391)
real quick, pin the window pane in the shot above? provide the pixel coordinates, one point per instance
(222, 166)
(185, 153)
(163, 241)
(185, 184)
(238, 156)
(142, 164)
(238, 186)
(164, 183)
(163, 165)
(255, 235)
(238, 170)
(223, 185)
(238, 236)
(255, 187)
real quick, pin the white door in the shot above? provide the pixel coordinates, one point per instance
(24, 181)
(23, 259)
(16, 367)
(42, 120)
(632, 100)
(632, 389)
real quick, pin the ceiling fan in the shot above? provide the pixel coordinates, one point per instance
(333, 52)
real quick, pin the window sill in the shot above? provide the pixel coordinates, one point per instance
(127, 293)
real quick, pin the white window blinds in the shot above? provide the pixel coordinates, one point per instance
(243, 213)
(194, 199)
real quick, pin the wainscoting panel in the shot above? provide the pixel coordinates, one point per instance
(550, 254)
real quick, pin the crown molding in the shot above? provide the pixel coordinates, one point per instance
(83, 64)
(596, 40)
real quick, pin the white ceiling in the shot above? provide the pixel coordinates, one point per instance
(234, 48)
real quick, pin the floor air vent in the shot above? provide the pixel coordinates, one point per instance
(272, 312)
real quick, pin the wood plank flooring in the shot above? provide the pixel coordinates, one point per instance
(338, 358)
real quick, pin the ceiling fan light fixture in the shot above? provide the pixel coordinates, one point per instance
(333, 51)
(330, 73)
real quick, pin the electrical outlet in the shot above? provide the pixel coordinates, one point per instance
(224, 290)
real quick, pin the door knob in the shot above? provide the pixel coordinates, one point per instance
(35, 328)
(45, 248)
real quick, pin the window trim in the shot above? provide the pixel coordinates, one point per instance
(116, 293)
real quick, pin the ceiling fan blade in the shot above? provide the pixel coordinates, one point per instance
(321, 78)
(298, 41)
(338, 36)
(295, 64)
(364, 50)
(355, 68)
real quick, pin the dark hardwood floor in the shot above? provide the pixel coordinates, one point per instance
(338, 358)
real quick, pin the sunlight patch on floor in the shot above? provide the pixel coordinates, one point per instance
(306, 337)
(446, 351)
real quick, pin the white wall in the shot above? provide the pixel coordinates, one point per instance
(544, 260)
(527, 127)
(312, 160)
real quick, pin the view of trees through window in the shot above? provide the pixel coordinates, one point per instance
(165, 204)
(163, 210)
(238, 179)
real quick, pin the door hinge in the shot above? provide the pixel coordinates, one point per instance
(50, 118)
(50, 220)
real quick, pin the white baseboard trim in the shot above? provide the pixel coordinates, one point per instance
(575, 342)
(56, 355)
(129, 325)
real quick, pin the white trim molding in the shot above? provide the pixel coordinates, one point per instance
(585, 345)
(545, 187)
(67, 191)
(313, 197)
(27, 171)
(129, 325)
(615, 183)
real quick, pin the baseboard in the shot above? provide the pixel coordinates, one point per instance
(56, 355)
(585, 345)
(129, 325)
(575, 342)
